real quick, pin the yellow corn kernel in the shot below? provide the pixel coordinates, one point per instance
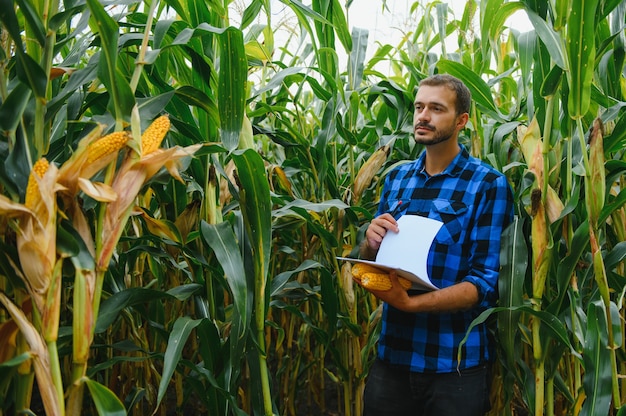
(376, 281)
(153, 136)
(106, 145)
(374, 278)
(32, 189)
(382, 281)
(359, 269)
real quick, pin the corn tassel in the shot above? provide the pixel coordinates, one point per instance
(106, 145)
(373, 278)
(153, 136)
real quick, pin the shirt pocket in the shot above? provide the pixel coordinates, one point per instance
(453, 214)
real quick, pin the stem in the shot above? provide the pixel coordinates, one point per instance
(75, 397)
(139, 62)
(577, 382)
(539, 364)
(55, 371)
(25, 377)
(41, 135)
(550, 397)
(603, 288)
(265, 385)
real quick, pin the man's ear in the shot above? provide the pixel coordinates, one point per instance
(462, 120)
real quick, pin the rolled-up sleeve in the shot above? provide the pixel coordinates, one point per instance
(493, 214)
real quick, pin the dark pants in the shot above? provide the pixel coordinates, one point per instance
(390, 391)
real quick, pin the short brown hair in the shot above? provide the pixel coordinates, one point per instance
(463, 94)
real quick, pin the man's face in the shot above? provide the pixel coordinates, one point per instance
(435, 119)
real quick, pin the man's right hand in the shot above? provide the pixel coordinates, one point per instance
(375, 233)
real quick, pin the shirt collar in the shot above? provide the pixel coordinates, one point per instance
(454, 168)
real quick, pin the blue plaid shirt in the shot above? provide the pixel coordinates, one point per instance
(475, 203)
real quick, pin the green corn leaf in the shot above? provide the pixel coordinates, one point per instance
(256, 206)
(550, 39)
(340, 24)
(121, 96)
(607, 7)
(526, 45)
(195, 97)
(581, 53)
(105, 400)
(13, 107)
(111, 307)
(330, 301)
(173, 353)
(495, 22)
(442, 17)
(481, 93)
(251, 13)
(597, 379)
(11, 24)
(279, 281)
(357, 56)
(31, 73)
(561, 13)
(513, 265)
(28, 70)
(32, 17)
(222, 240)
(231, 92)
(551, 82)
(616, 140)
(553, 326)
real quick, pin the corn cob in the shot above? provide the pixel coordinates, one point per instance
(368, 171)
(32, 189)
(373, 278)
(106, 145)
(360, 268)
(153, 136)
(595, 183)
(347, 285)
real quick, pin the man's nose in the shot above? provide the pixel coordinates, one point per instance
(424, 114)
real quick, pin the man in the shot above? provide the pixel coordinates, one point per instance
(417, 371)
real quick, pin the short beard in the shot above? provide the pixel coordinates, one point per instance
(439, 137)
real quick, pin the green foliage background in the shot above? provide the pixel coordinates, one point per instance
(224, 294)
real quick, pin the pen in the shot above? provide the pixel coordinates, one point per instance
(395, 208)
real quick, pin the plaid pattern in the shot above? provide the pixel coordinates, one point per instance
(475, 203)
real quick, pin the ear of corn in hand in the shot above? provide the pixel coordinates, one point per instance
(373, 278)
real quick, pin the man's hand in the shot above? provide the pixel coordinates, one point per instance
(397, 296)
(458, 297)
(375, 233)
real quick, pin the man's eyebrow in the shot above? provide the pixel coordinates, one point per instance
(431, 103)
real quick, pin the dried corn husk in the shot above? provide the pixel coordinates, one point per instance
(368, 171)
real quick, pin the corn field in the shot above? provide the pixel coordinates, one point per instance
(177, 182)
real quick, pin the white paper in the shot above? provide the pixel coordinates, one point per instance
(406, 251)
